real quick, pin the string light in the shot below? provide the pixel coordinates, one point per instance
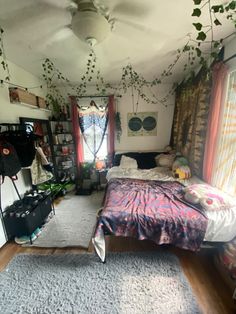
(2, 82)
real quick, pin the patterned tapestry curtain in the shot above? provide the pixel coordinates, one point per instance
(224, 169)
(190, 120)
(93, 121)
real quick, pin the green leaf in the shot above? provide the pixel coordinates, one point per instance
(201, 36)
(196, 2)
(198, 26)
(217, 8)
(186, 48)
(196, 12)
(232, 5)
(217, 22)
(198, 51)
(216, 44)
(214, 55)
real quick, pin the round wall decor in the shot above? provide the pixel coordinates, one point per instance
(142, 123)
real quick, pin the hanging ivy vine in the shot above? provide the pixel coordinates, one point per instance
(3, 59)
(196, 49)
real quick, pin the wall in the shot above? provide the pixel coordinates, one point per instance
(164, 122)
(11, 113)
(230, 49)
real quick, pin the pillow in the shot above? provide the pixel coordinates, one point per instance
(144, 160)
(208, 197)
(127, 162)
(165, 160)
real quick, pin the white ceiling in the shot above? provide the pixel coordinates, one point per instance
(146, 34)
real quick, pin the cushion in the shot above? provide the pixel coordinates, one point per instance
(165, 160)
(127, 162)
(208, 197)
(144, 160)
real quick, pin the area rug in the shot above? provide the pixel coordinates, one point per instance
(137, 283)
(73, 223)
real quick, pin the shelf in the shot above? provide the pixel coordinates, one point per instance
(71, 143)
(56, 121)
(61, 169)
(62, 133)
(29, 106)
(68, 155)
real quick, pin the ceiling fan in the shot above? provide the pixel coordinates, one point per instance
(92, 21)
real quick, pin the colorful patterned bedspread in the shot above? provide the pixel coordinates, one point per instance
(153, 210)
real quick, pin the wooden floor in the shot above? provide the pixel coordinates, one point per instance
(213, 294)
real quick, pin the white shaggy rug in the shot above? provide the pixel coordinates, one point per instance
(73, 223)
(137, 283)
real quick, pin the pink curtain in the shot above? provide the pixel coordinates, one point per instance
(76, 131)
(220, 71)
(111, 129)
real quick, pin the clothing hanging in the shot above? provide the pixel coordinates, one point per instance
(39, 175)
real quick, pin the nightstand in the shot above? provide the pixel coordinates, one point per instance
(102, 178)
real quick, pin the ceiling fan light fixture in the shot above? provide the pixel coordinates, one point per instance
(91, 41)
(90, 26)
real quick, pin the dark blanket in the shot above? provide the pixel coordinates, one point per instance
(153, 210)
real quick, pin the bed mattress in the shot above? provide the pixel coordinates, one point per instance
(217, 227)
(221, 224)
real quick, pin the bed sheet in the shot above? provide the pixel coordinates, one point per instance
(221, 224)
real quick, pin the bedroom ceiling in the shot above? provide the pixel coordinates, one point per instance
(146, 34)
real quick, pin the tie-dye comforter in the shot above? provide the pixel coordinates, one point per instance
(153, 210)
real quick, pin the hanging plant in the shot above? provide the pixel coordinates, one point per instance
(118, 126)
(3, 59)
(216, 14)
(131, 79)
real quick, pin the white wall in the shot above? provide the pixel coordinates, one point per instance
(230, 49)
(11, 113)
(164, 122)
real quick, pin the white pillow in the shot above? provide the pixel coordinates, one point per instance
(127, 162)
(165, 160)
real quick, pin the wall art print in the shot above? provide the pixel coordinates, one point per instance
(142, 124)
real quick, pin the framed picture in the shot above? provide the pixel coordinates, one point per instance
(142, 124)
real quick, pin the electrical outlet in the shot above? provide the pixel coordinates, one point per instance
(234, 294)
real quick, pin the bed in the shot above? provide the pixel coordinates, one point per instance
(149, 204)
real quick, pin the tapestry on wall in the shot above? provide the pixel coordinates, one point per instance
(142, 124)
(190, 120)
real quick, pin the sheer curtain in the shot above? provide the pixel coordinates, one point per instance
(224, 169)
(93, 121)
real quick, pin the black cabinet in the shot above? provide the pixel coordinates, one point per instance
(25, 222)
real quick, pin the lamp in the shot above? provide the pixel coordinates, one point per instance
(90, 26)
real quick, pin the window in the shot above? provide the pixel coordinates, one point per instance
(224, 172)
(93, 119)
(92, 138)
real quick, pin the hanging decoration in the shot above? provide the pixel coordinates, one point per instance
(196, 49)
(3, 59)
(142, 124)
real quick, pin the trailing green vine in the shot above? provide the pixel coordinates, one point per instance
(3, 59)
(194, 50)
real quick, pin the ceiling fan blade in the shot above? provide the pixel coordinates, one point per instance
(62, 4)
(131, 9)
(150, 32)
(59, 35)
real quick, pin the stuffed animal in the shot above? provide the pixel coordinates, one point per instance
(179, 161)
(182, 172)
